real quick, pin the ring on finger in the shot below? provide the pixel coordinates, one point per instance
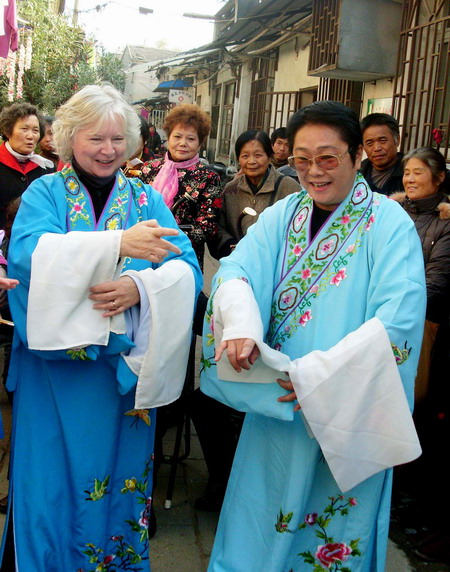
(113, 305)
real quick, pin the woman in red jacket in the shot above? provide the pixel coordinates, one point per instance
(22, 127)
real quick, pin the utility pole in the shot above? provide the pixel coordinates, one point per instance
(75, 12)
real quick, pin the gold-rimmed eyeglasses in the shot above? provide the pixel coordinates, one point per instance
(326, 161)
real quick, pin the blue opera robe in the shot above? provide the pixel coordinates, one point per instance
(283, 510)
(81, 470)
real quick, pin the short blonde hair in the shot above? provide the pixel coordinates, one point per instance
(93, 105)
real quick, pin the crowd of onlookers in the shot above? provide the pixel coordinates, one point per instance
(219, 218)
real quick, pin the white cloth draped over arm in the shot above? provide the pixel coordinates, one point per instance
(61, 316)
(351, 395)
(354, 402)
(236, 315)
(63, 268)
(160, 358)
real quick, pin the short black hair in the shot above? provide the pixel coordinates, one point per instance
(143, 130)
(333, 114)
(11, 114)
(49, 119)
(279, 133)
(253, 135)
(381, 119)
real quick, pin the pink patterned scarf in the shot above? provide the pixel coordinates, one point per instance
(166, 181)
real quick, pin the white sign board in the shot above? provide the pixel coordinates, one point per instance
(180, 96)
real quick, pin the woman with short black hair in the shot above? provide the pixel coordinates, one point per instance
(22, 127)
(258, 186)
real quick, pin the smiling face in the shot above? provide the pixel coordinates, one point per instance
(183, 142)
(100, 150)
(327, 188)
(25, 135)
(253, 161)
(418, 180)
(380, 146)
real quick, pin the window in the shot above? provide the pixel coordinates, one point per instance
(227, 118)
(215, 111)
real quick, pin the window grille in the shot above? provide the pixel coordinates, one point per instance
(274, 109)
(347, 92)
(227, 118)
(422, 83)
(324, 35)
(262, 83)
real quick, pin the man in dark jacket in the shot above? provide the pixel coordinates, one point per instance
(383, 167)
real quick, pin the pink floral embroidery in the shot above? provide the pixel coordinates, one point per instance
(311, 518)
(314, 289)
(77, 207)
(351, 248)
(297, 250)
(370, 221)
(328, 554)
(145, 514)
(338, 277)
(327, 246)
(211, 324)
(306, 273)
(143, 521)
(345, 219)
(300, 218)
(119, 201)
(353, 501)
(358, 193)
(142, 200)
(287, 299)
(305, 318)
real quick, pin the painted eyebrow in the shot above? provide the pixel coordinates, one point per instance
(321, 148)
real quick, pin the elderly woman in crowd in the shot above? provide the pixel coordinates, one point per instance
(154, 139)
(93, 252)
(189, 189)
(257, 187)
(22, 127)
(427, 184)
(426, 201)
(46, 144)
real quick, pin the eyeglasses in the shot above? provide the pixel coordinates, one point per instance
(327, 162)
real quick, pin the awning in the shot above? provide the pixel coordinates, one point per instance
(173, 84)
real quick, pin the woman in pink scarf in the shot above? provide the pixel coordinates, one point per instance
(190, 189)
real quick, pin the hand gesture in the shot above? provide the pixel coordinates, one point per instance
(242, 353)
(144, 240)
(292, 396)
